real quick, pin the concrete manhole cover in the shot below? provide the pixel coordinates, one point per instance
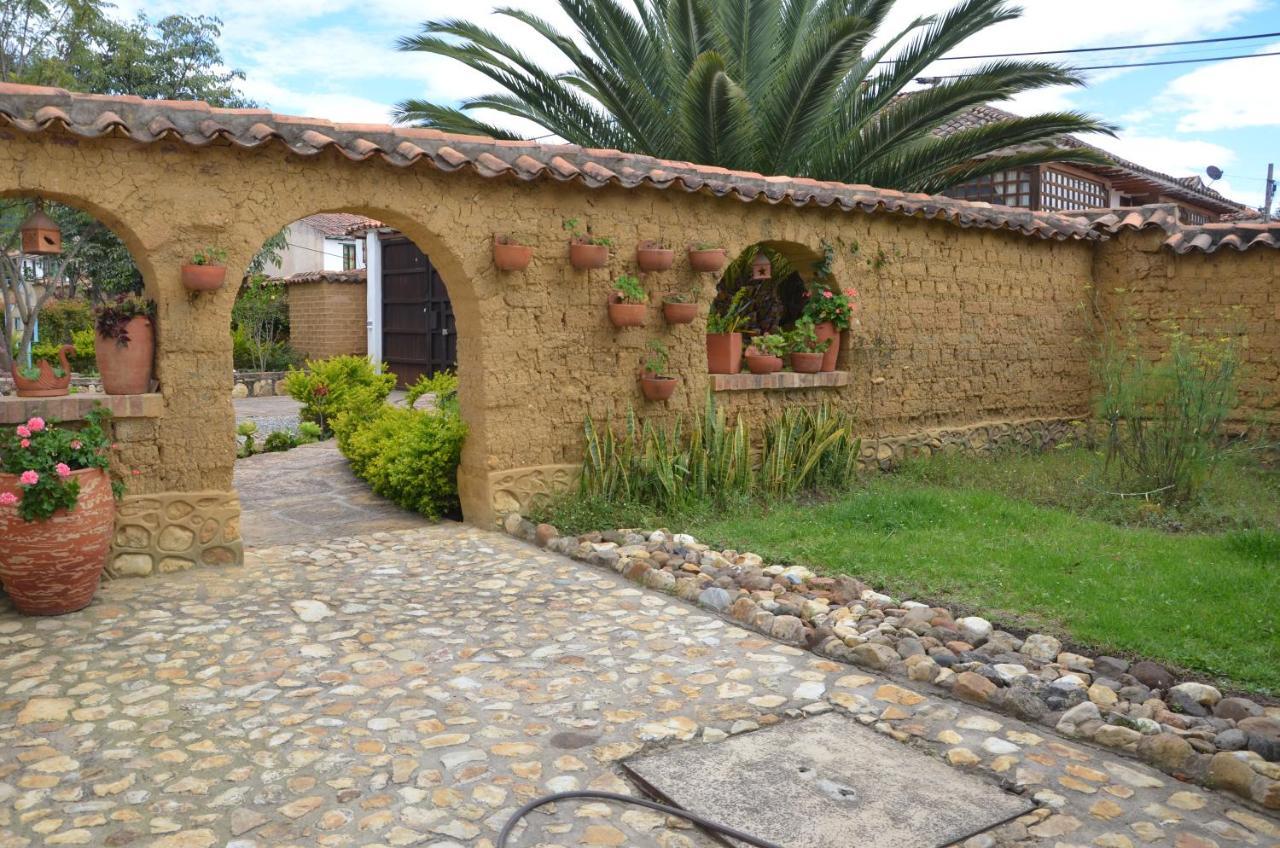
(828, 782)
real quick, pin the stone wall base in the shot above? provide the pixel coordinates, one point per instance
(174, 531)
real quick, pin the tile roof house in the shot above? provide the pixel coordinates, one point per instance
(1063, 187)
(320, 243)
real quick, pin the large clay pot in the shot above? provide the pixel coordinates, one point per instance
(708, 261)
(126, 369)
(47, 384)
(53, 566)
(587, 256)
(654, 257)
(509, 256)
(626, 314)
(657, 388)
(724, 353)
(204, 278)
(759, 363)
(827, 330)
(806, 363)
(679, 313)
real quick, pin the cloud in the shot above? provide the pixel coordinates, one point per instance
(330, 105)
(1226, 95)
(1179, 157)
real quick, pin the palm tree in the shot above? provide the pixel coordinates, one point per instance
(774, 86)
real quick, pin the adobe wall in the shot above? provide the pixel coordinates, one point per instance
(1227, 292)
(327, 319)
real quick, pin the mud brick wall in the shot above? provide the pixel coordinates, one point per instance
(327, 319)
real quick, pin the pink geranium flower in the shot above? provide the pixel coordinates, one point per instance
(63, 469)
(76, 444)
(26, 443)
(8, 499)
(827, 294)
(29, 478)
(36, 425)
(23, 431)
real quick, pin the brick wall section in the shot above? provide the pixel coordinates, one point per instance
(1227, 291)
(327, 319)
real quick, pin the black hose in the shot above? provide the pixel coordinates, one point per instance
(721, 829)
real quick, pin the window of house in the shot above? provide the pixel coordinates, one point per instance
(1008, 188)
(1059, 190)
(348, 257)
(1192, 216)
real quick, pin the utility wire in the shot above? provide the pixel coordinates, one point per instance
(1100, 49)
(1126, 65)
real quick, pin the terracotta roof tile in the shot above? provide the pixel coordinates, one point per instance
(34, 109)
(1184, 238)
(338, 223)
(356, 276)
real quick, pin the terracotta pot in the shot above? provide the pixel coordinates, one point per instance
(52, 567)
(204, 278)
(509, 256)
(827, 330)
(679, 313)
(806, 363)
(651, 257)
(708, 261)
(47, 384)
(626, 314)
(760, 363)
(724, 353)
(585, 256)
(657, 388)
(126, 370)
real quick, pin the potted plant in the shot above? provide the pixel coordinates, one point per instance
(509, 254)
(627, 302)
(654, 256)
(57, 513)
(654, 380)
(707, 258)
(724, 337)
(586, 250)
(680, 307)
(206, 271)
(765, 354)
(125, 343)
(805, 347)
(832, 311)
(44, 379)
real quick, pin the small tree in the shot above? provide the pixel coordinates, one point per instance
(261, 313)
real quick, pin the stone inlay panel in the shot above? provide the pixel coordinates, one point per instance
(174, 531)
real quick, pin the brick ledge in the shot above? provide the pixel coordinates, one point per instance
(779, 380)
(15, 410)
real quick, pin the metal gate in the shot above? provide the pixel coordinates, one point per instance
(418, 333)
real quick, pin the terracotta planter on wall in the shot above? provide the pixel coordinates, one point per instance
(827, 330)
(47, 384)
(657, 388)
(758, 363)
(626, 314)
(53, 566)
(708, 261)
(651, 256)
(806, 363)
(126, 369)
(204, 278)
(509, 256)
(679, 313)
(587, 256)
(724, 353)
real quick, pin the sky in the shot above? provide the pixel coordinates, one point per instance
(337, 59)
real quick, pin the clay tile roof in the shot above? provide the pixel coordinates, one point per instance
(36, 109)
(356, 276)
(334, 224)
(1184, 238)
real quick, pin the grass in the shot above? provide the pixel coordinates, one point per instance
(1030, 542)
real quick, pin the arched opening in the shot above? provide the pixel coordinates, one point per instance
(771, 295)
(358, 305)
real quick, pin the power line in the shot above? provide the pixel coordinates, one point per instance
(1100, 49)
(1126, 65)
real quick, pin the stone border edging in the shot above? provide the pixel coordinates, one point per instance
(1224, 743)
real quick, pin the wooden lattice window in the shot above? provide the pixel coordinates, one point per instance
(1060, 190)
(1014, 187)
(1192, 216)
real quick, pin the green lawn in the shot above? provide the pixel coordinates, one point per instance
(1208, 603)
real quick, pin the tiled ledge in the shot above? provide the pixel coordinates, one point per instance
(15, 410)
(778, 380)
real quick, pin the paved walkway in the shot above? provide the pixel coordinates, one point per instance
(412, 688)
(309, 493)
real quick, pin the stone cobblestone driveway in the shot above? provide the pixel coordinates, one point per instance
(413, 687)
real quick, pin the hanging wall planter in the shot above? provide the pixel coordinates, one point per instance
(207, 270)
(679, 312)
(44, 379)
(627, 303)
(707, 260)
(510, 255)
(586, 251)
(652, 256)
(125, 344)
(655, 384)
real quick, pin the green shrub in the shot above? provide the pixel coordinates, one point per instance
(83, 360)
(443, 384)
(247, 355)
(61, 319)
(279, 440)
(409, 457)
(327, 387)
